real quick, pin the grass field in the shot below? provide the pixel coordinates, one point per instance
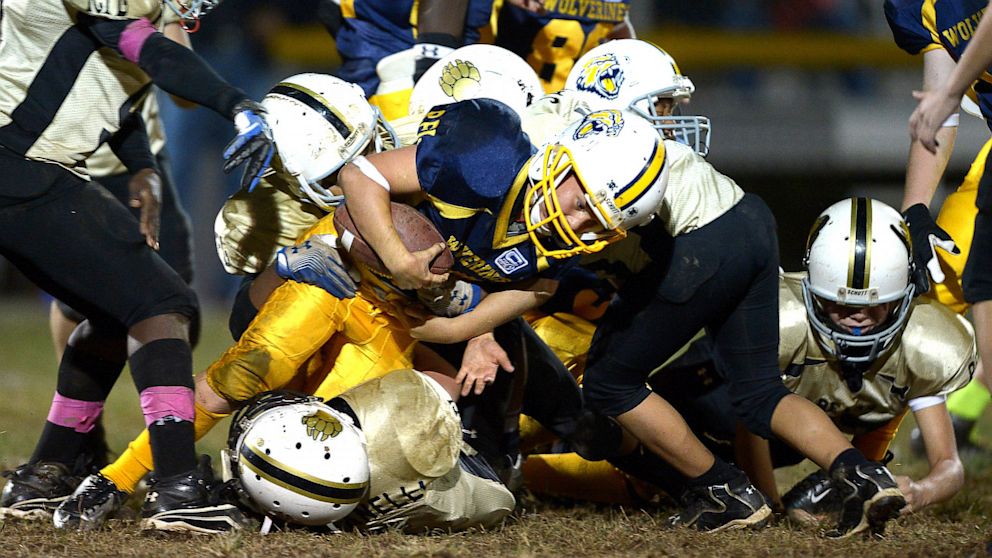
(960, 527)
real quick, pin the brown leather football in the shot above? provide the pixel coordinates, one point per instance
(415, 230)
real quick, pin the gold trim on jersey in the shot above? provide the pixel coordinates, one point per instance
(259, 453)
(348, 8)
(452, 211)
(501, 238)
(928, 16)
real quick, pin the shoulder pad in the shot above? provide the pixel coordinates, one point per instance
(939, 346)
(792, 321)
(905, 18)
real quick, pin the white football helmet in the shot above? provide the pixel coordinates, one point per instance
(629, 73)
(859, 253)
(618, 159)
(474, 72)
(191, 10)
(297, 459)
(319, 123)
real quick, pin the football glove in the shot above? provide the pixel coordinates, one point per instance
(462, 297)
(317, 262)
(253, 143)
(927, 237)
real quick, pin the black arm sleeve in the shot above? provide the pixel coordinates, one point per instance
(329, 15)
(173, 67)
(131, 145)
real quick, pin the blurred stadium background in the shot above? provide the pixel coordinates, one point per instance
(809, 101)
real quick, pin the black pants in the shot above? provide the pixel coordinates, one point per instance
(175, 242)
(73, 239)
(722, 277)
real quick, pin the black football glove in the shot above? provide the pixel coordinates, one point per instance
(927, 237)
(253, 143)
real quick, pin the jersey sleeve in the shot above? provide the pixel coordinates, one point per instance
(469, 152)
(119, 9)
(905, 19)
(941, 352)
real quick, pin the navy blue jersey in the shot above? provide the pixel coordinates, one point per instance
(374, 29)
(551, 43)
(472, 164)
(922, 25)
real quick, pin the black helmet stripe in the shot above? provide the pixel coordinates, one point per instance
(316, 102)
(859, 266)
(299, 482)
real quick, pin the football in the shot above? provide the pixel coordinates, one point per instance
(416, 231)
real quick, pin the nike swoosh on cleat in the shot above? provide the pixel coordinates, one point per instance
(817, 497)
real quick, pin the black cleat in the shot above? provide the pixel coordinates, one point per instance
(88, 508)
(869, 497)
(190, 502)
(812, 500)
(733, 505)
(34, 490)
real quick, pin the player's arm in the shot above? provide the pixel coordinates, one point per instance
(938, 103)
(494, 310)
(925, 168)
(174, 31)
(369, 183)
(946, 476)
(180, 71)
(923, 172)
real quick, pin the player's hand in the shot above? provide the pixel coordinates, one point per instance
(927, 237)
(316, 261)
(481, 361)
(911, 492)
(253, 144)
(934, 109)
(145, 189)
(414, 272)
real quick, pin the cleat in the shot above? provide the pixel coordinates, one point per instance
(733, 505)
(90, 505)
(812, 500)
(191, 503)
(869, 498)
(34, 490)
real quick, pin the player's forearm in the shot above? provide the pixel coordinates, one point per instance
(181, 72)
(368, 205)
(924, 169)
(495, 310)
(945, 480)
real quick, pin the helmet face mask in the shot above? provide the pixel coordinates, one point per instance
(634, 74)
(298, 459)
(858, 257)
(618, 161)
(191, 10)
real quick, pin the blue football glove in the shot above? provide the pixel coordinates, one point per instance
(316, 262)
(253, 143)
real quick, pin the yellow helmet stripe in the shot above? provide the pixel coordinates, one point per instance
(630, 193)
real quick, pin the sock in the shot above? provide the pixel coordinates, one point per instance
(969, 402)
(163, 373)
(848, 457)
(721, 472)
(136, 461)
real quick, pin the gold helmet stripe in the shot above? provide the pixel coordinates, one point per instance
(318, 103)
(859, 264)
(297, 481)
